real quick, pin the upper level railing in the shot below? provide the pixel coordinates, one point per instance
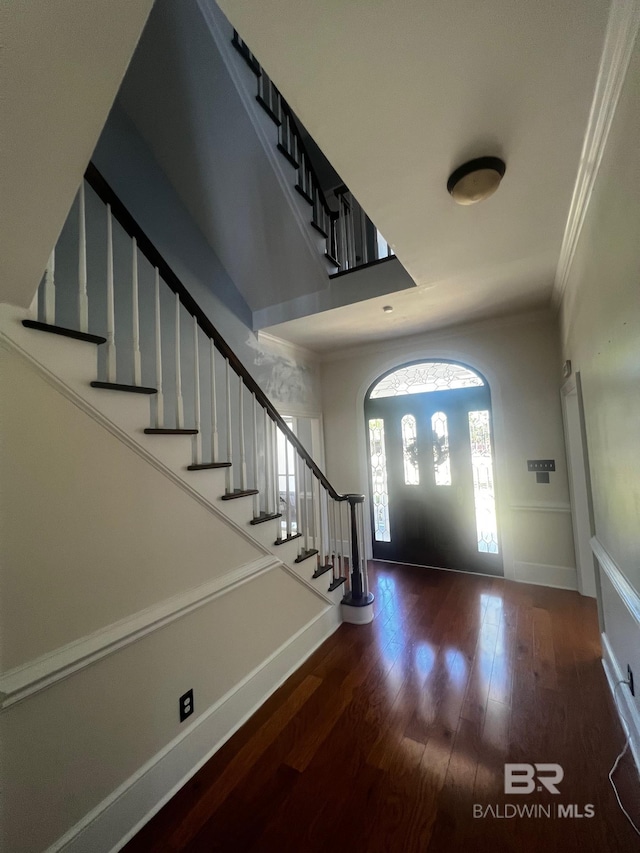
(106, 281)
(352, 240)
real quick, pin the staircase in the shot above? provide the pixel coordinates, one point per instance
(169, 382)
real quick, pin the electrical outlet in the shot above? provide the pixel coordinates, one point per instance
(186, 705)
(630, 679)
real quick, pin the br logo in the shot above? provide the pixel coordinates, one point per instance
(526, 778)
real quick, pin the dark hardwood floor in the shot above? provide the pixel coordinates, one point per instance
(386, 738)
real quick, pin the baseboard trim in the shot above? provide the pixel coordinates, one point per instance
(108, 827)
(541, 574)
(621, 585)
(614, 674)
(36, 675)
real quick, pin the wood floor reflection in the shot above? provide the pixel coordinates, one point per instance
(391, 733)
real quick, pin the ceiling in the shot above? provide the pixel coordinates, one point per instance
(397, 95)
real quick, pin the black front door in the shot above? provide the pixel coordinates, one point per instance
(440, 504)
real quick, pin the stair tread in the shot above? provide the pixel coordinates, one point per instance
(265, 106)
(321, 570)
(319, 228)
(287, 539)
(288, 156)
(238, 493)
(164, 431)
(304, 555)
(64, 332)
(336, 583)
(204, 466)
(304, 194)
(118, 386)
(330, 258)
(260, 519)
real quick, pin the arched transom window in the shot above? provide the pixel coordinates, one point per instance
(426, 376)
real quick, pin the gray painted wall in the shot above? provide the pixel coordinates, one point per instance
(183, 101)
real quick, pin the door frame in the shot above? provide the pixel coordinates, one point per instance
(435, 352)
(579, 486)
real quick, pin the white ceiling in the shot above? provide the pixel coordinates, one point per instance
(399, 94)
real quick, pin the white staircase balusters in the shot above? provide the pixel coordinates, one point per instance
(314, 526)
(83, 298)
(135, 314)
(229, 470)
(322, 499)
(179, 400)
(287, 490)
(282, 487)
(111, 308)
(50, 290)
(304, 502)
(243, 450)
(158, 318)
(275, 469)
(214, 404)
(334, 527)
(256, 480)
(346, 569)
(268, 447)
(297, 485)
(197, 439)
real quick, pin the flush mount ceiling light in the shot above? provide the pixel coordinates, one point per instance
(476, 180)
(387, 309)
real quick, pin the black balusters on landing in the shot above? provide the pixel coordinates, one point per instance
(352, 240)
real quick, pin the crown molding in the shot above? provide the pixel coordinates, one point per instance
(295, 350)
(620, 36)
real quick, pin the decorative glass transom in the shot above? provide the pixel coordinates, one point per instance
(410, 451)
(426, 376)
(381, 529)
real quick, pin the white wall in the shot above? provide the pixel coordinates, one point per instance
(600, 323)
(91, 535)
(521, 360)
(62, 64)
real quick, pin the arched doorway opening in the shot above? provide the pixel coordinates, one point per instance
(431, 467)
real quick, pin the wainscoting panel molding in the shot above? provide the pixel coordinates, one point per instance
(541, 507)
(109, 826)
(23, 681)
(622, 586)
(630, 716)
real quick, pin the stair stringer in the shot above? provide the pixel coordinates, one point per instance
(70, 365)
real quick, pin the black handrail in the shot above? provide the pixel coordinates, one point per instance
(102, 189)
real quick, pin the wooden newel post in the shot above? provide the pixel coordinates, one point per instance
(358, 595)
